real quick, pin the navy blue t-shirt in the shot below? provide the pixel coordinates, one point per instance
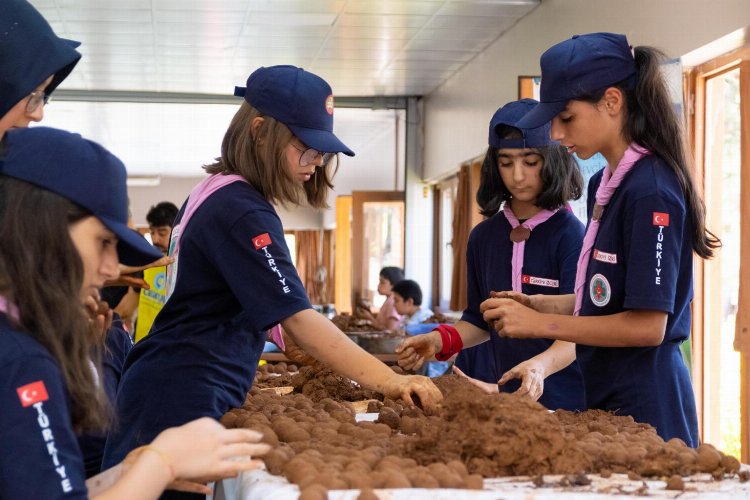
(117, 345)
(549, 267)
(235, 279)
(39, 455)
(642, 259)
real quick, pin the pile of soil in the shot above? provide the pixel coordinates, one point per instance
(348, 323)
(275, 375)
(319, 384)
(319, 445)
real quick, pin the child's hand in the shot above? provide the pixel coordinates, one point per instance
(532, 373)
(485, 386)
(414, 351)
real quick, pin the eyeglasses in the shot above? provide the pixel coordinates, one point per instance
(309, 155)
(36, 99)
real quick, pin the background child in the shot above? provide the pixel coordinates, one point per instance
(407, 299)
(387, 318)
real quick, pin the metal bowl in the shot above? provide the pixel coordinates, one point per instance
(379, 344)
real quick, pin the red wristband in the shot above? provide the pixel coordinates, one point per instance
(452, 343)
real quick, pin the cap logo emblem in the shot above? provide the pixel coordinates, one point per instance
(329, 104)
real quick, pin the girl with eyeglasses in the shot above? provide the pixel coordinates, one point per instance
(33, 62)
(529, 243)
(632, 304)
(233, 278)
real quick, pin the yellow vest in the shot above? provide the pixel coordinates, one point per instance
(151, 301)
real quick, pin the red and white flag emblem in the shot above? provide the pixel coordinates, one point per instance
(262, 240)
(660, 219)
(32, 393)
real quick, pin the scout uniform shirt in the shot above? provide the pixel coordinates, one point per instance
(642, 259)
(235, 280)
(40, 457)
(549, 267)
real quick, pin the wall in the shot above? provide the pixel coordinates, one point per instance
(377, 137)
(176, 190)
(457, 114)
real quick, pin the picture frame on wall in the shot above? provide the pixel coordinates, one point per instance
(528, 87)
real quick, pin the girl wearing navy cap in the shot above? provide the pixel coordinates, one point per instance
(33, 62)
(233, 278)
(631, 307)
(63, 220)
(529, 243)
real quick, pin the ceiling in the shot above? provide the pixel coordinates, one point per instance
(361, 47)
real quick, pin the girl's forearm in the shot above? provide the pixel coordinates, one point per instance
(321, 339)
(640, 328)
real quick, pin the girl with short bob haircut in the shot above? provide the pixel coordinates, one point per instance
(63, 220)
(233, 278)
(530, 242)
(631, 307)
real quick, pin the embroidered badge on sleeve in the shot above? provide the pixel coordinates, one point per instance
(262, 240)
(660, 219)
(32, 393)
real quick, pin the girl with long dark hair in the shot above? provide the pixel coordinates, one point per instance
(631, 307)
(63, 221)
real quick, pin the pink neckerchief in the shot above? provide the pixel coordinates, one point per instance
(198, 195)
(604, 193)
(518, 235)
(9, 308)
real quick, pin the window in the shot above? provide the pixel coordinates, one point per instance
(720, 126)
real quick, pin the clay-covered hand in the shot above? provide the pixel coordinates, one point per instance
(203, 450)
(510, 318)
(414, 351)
(519, 297)
(485, 386)
(406, 387)
(532, 373)
(99, 314)
(364, 313)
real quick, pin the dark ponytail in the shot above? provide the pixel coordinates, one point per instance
(652, 123)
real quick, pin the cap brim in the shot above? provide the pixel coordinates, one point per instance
(73, 43)
(541, 114)
(132, 248)
(322, 140)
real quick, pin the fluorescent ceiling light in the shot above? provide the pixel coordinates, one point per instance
(289, 19)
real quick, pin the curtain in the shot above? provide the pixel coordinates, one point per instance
(315, 263)
(462, 223)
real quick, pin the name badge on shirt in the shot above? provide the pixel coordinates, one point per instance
(609, 258)
(533, 280)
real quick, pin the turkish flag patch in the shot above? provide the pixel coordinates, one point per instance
(32, 393)
(525, 278)
(262, 240)
(660, 219)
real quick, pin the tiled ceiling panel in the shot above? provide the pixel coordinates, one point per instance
(362, 47)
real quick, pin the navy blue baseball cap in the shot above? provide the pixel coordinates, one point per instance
(578, 67)
(300, 100)
(510, 115)
(83, 172)
(29, 53)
